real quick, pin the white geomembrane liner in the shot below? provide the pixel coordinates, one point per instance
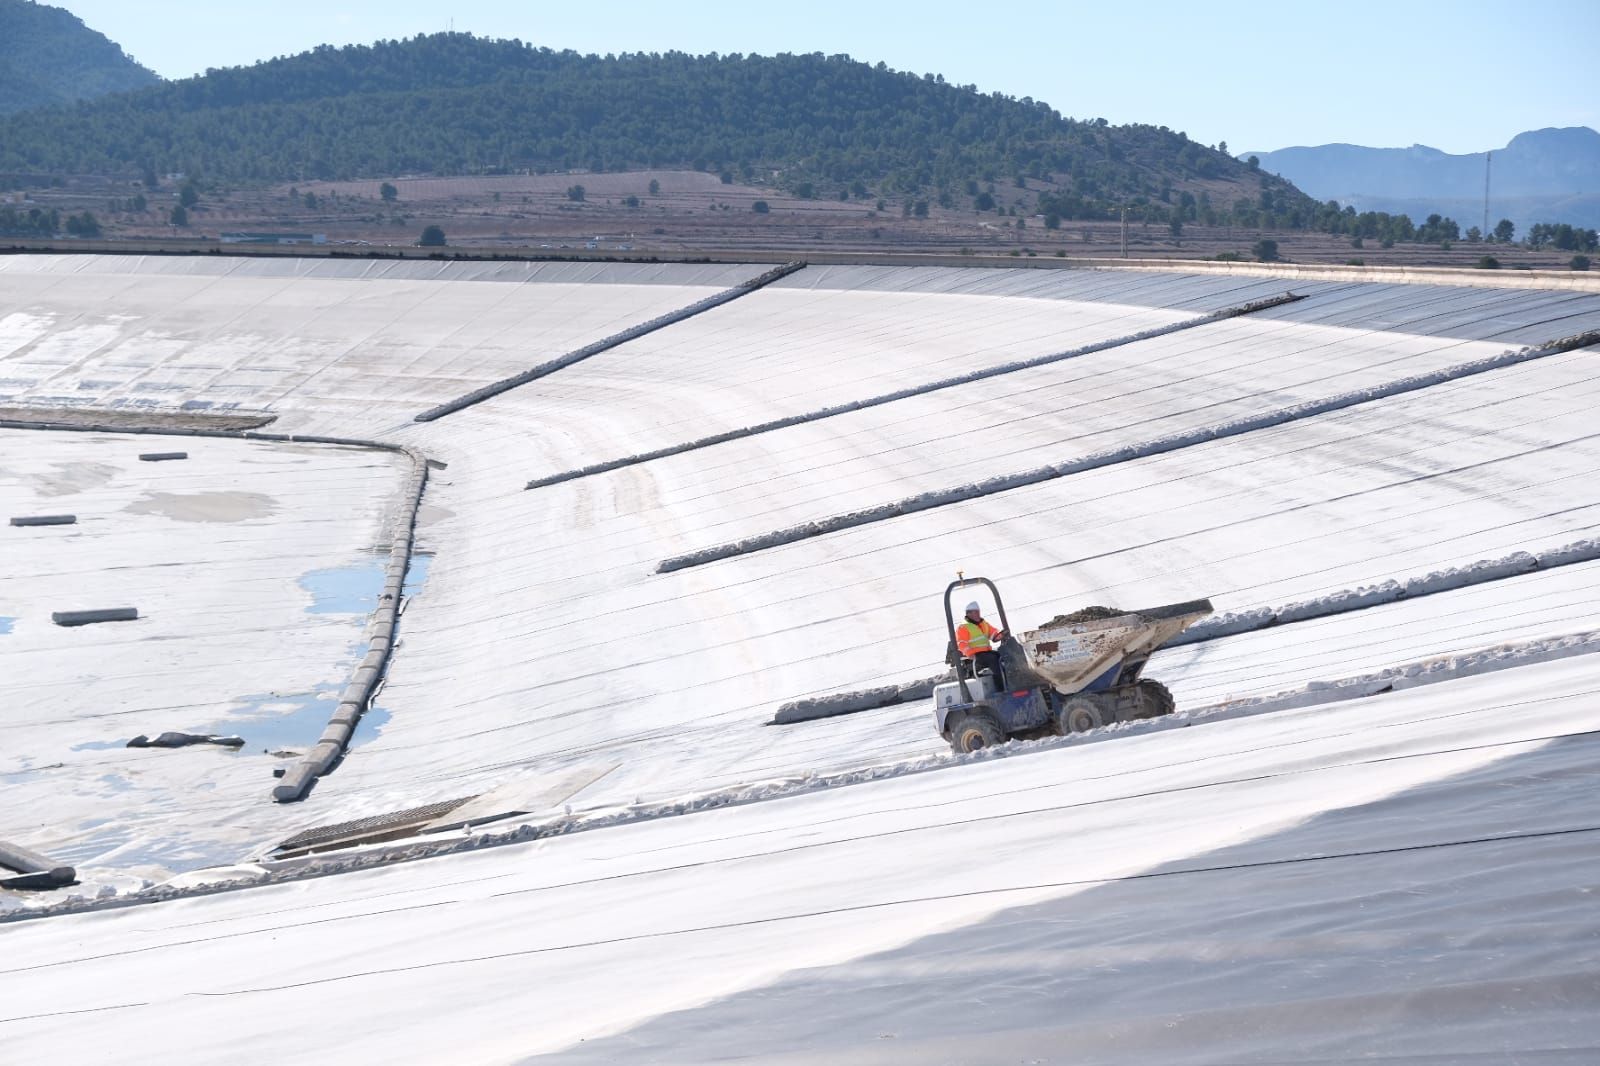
(253, 567)
(519, 947)
(1298, 498)
(1386, 490)
(335, 348)
(541, 649)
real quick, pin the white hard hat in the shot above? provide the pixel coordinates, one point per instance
(973, 606)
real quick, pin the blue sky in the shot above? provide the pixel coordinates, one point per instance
(1463, 76)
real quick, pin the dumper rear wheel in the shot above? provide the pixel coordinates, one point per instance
(1155, 700)
(1078, 714)
(974, 732)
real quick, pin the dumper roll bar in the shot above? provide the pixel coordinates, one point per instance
(950, 620)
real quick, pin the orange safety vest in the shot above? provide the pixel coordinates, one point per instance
(973, 637)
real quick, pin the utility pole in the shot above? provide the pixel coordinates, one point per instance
(1124, 231)
(1488, 157)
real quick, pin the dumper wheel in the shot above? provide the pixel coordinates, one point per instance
(1156, 700)
(1078, 714)
(973, 732)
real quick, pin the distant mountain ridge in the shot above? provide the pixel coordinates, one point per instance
(48, 56)
(1548, 175)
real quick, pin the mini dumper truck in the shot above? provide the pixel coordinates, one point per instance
(1076, 673)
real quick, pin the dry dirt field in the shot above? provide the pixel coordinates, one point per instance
(695, 211)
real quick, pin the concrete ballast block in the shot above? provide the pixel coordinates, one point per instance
(45, 520)
(28, 862)
(294, 783)
(84, 618)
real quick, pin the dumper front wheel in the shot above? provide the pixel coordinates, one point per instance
(1078, 714)
(974, 732)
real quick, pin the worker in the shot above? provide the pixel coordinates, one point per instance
(976, 640)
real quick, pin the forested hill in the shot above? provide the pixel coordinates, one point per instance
(48, 56)
(454, 103)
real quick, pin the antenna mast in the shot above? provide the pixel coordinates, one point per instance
(1488, 157)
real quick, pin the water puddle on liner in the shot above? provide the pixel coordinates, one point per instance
(279, 723)
(5, 624)
(269, 722)
(370, 726)
(290, 723)
(352, 589)
(274, 723)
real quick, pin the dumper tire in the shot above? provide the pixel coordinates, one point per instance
(1079, 714)
(974, 732)
(1156, 700)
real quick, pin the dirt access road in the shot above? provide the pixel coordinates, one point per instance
(692, 211)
